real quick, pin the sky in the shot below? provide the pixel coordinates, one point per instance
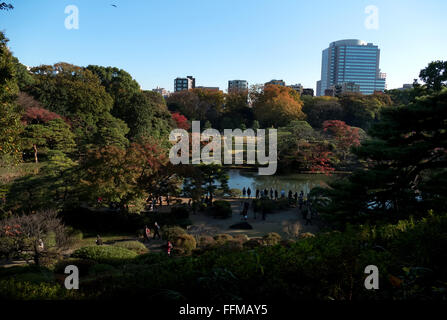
(220, 40)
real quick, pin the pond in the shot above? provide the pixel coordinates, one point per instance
(295, 181)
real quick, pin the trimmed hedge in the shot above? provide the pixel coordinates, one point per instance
(221, 209)
(135, 246)
(104, 254)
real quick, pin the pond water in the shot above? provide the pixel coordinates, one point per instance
(295, 181)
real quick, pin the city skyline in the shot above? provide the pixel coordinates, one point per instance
(155, 49)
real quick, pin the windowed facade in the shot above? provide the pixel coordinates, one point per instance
(351, 61)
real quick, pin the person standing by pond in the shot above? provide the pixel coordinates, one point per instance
(244, 192)
(257, 193)
(295, 196)
(283, 193)
(248, 192)
(271, 193)
(146, 234)
(276, 194)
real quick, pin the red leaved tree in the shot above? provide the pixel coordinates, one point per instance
(345, 136)
(181, 121)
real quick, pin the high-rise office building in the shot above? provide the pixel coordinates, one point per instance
(347, 61)
(237, 86)
(187, 83)
(297, 87)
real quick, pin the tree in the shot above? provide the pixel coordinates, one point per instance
(345, 136)
(52, 135)
(237, 112)
(201, 179)
(10, 125)
(320, 109)
(405, 159)
(181, 121)
(277, 106)
(435, 75)
(41, 233)
(144, 112)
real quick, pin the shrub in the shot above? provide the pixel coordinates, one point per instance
(306, 235)
(271, 239)
(171, 233)
(222, 238)
(184, 243)
(12, 289)
(206, 242)
(241, 237)
(104, 254)
(75, 234)
(101, 269)
(253, 243)
(221, 209)
(180, 212)
(82, 264)
(135, 246)
(235, 193)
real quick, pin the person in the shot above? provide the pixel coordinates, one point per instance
(98, 240)
(271, 193)
(290, 195)
(309, 215)
(167, 200)
(295, 196)
(156, 231)
(276, 194)
(146, 234)
(206, 199)
(304, 209)
(283, 193)
(244, 192)
(245, 211)
(300, 200)
(161, 200)
(257, 193)
(41, 245)
(248, 192)
(189, 202)
(170, 246)
(266, 192)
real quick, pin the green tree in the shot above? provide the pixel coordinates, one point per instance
(435, 75)
(10, 125)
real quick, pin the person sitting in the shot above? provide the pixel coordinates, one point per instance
(98, 240)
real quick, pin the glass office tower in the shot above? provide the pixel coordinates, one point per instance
(351, 61)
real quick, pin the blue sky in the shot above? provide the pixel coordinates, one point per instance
(219, 40)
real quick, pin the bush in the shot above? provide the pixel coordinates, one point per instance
(171, 233)
(12, 289)
(221, 209)
(82, 264)
(104, 254)
(271, 239)
(206, 242)
(135, 246)
(184, 243)
(101, 269)
(222, 238)
(235, 193)
(180, 212)
(306, 235)
(253, 243)
(75, 234)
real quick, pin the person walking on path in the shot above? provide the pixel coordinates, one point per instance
(98, 240)
(248, 192)
(156, 231)
(244, 192)
(271, 193)
(295, 196)
(276, 194)
(290, 195)
(245, 210)
(257, 193)
(169, 247)
(283, 193)
(146, 234)
(309, 215)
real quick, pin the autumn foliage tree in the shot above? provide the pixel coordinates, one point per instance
(277, 106)
(181, 121)
(345, 136)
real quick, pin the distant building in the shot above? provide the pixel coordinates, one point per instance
(165, 93)
(406, 86)
(181, 84)
(297, 87)
(351, 61)
(237, 86)
(308, 92)
(339, 89)
(276, 82)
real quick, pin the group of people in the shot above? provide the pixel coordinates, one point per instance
(157, 201)
(304, 205)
